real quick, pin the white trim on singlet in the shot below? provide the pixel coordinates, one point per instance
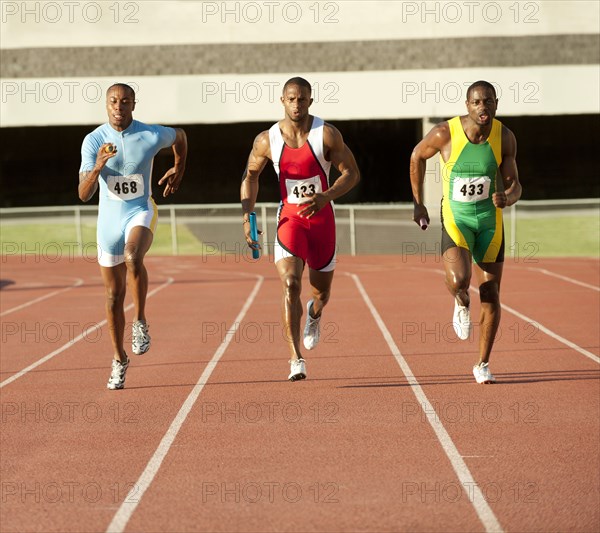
(315, 138)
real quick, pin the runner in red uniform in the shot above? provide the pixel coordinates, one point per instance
(302, 148)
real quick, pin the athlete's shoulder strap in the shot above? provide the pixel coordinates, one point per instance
(458, 139)
(315, 139)
(495, 140)
(276, 143)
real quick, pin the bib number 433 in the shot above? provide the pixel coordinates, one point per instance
(471, 189)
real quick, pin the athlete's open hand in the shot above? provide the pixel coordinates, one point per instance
(312, 204)
(499, 199)
(173, 178)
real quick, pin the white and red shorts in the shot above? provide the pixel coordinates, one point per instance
(311, 239)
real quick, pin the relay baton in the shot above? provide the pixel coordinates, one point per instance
(423, 223)
(254, 234)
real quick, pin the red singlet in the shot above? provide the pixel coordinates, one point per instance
(303, 171)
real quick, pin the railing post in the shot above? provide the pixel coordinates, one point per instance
(352, 232)
(265, 230)
(174, 244)
(78, 230)
(513, 229)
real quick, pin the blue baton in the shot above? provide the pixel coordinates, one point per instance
(254, 234)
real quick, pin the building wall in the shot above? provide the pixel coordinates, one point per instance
(222, 62)
(381, 70)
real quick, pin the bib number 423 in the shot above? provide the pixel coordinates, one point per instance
(297, 190)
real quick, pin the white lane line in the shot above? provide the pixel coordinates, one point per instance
(565, 278)
(66, 346)
(483, 510)
(132, 500)
(41, 298)
(542, 328)
(549, 332)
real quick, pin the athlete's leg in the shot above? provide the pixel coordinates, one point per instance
(138, 244)
(489, 276)
(290, 271)
(320, 284)
(457, 264)
(115, 284)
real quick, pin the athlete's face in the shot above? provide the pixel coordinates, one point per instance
(120, 103)
(482, 105)
(296, 101)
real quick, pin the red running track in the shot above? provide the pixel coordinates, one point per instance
(388, 433)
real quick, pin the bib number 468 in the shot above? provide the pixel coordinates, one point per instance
(126, 188)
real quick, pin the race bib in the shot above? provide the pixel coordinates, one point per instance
(471, 189)
(125, 187)
(298, 189)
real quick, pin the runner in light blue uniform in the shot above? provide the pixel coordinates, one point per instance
(117, 157)
(125, 183)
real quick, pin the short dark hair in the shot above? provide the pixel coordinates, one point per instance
(481, 83)
(123, 86)
(301, 82)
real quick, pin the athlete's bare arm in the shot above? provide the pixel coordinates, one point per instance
(508, 171)
(174, 175)
(342, 158)
(260, 154)
(437, 140)
(88, 181)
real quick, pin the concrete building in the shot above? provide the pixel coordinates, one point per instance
(383, 71)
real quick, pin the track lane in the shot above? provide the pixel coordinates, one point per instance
(101, 440)
(519, 436)
(327, 454)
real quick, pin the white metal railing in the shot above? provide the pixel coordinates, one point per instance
(348, 216)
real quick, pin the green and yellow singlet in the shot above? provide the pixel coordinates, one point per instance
(470, 219)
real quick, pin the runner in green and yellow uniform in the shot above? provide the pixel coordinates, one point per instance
(475, 149)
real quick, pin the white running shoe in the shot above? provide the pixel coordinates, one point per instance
(297, 369)
(312, 328)
(483, 374)
(117, 375)
(462, 321)
(140, 338)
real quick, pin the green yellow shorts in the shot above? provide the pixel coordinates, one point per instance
(481, 232)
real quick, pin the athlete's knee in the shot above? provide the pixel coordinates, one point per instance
(323, 296)
(134, 261)
(489, 293)
(292, 285)
(115, 296)
(457, 282)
